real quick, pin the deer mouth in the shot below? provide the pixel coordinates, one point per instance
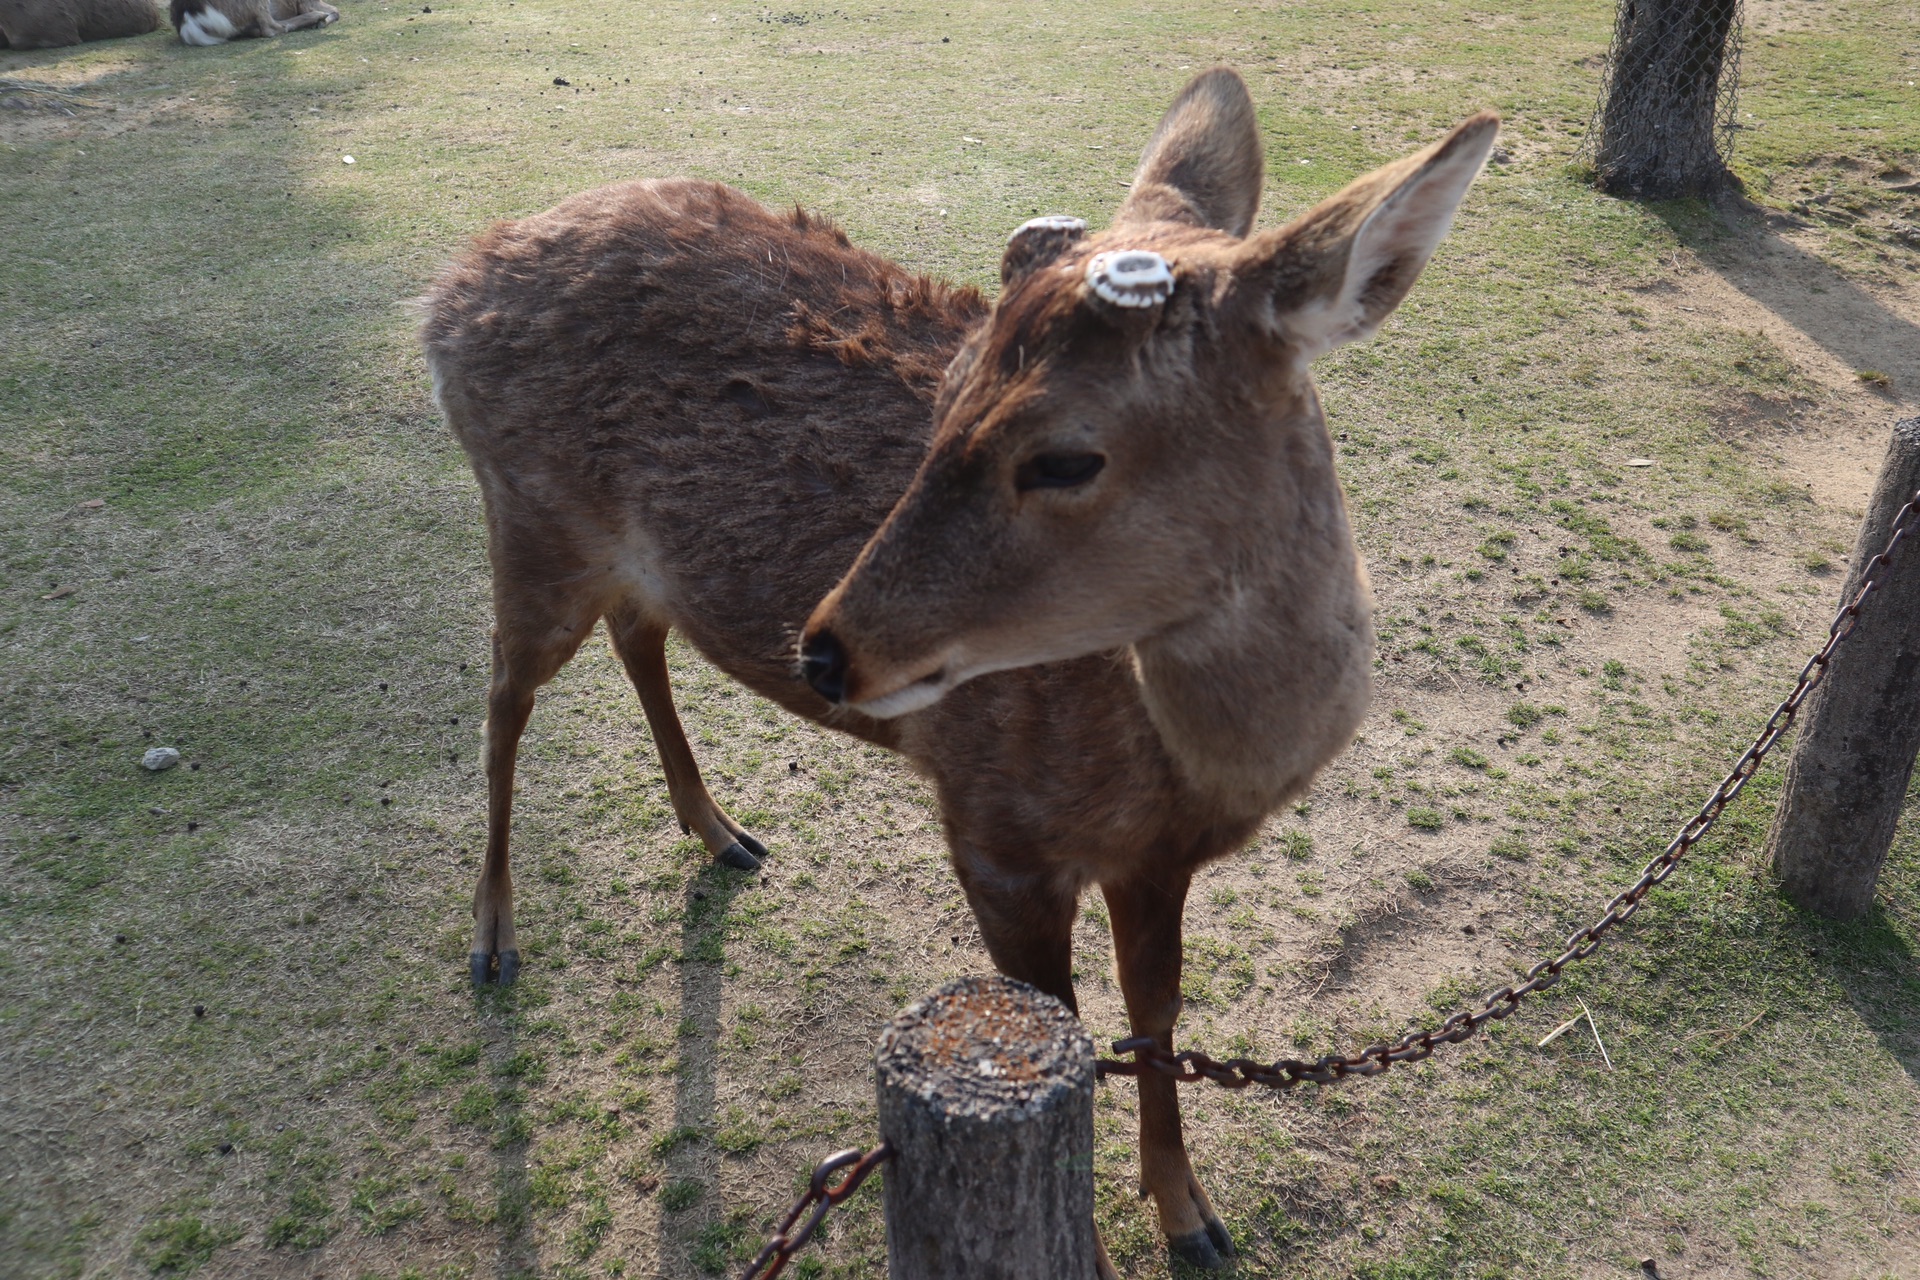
(922, 691)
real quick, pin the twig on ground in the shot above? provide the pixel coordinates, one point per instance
(1595, 1028)
(1559, 1031)
(1727, 1037)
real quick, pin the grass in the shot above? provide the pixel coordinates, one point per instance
(285, 579)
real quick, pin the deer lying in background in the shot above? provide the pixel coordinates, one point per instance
(211, 22)
(54, 24)
(1102, 587)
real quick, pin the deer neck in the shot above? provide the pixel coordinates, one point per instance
(1253, 696)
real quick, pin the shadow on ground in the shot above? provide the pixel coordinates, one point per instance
(1743, 247)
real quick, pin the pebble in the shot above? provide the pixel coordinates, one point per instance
(159, 759)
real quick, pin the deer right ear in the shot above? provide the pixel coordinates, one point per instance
(1037, 242)
(1203, 166)
(1334, 273)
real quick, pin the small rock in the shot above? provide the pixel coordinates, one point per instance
(563, 82)
(159, 759)
(1501, 156)
(1386, 1182)
(94, 504)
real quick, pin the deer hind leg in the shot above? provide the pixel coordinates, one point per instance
(1146, 942)
(642, 645)
(531, 642)
(310, 15)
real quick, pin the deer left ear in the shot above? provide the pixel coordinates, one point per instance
(1334, 273)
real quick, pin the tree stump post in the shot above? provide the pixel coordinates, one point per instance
(1860, 727)
(986, 1093)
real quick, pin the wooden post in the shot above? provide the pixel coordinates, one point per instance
(986, 1093)
(1860, 729)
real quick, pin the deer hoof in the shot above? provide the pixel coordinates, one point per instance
(480, 967)
(737, 856)
(1208, 1248)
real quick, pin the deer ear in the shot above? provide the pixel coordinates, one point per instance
(1203, 166)
(1334, 273)
(1036, 242)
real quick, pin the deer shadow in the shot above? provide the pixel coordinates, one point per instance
(691, 1158)
(517, 1251)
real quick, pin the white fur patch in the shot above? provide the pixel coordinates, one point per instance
(1131, 278)
(921, 693)
(208, 27)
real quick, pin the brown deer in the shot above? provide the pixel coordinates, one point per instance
(211, 22)
(54, 24)
(1095, 580)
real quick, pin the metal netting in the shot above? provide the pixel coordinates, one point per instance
(1666, 117)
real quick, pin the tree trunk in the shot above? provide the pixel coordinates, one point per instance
(986, 1093)
(1860, 727)
(1659, 124)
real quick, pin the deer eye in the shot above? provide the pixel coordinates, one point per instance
(1057, 470)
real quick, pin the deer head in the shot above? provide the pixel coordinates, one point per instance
(1132, 440)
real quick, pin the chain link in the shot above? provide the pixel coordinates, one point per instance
(786, 1241)
(1417, 1046)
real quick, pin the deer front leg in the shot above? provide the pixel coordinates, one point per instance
(1026, 921)
(1146, 914)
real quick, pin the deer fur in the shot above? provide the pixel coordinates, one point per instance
(211, 22)
(686, 411)
(54, 24)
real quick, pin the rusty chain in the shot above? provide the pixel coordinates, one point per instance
(1417, 1046)
(786, 1241)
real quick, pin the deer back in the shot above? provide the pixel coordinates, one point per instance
(670, 393)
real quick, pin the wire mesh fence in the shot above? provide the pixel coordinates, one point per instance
(1666, 118)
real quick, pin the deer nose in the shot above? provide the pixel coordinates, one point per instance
(824, 663)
